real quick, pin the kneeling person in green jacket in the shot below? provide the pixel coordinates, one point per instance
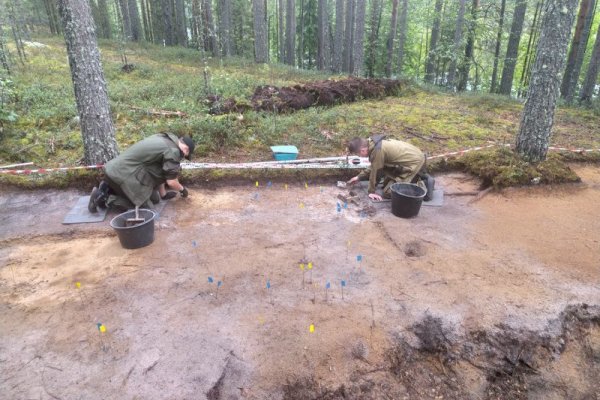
(141, 174)
(398, 161)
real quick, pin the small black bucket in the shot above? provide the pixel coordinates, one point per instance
(135, 236)
(406, 199)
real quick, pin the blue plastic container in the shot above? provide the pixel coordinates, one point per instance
(283, 153)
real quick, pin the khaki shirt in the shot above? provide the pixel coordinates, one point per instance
(391, 154)
(145, 165)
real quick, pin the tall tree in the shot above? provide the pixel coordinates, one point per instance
(537, 117)
(91, 95)
(497, 49)
(591, 76)
(512, 49)
(465, 67)
(435, 35)
(460, 21)
(180, 22)
(3, 53)
(167, 16)
(226, 28)
(323, 43)
(359, 34)
(534, 32)
(402, 35)
(290, 32)
(391, 38)
(53, 17)
(578, 46)
(338, 42)
(260, 31)
(280, 30)
(372, 42)
(348, 37)
(125, 20)
(210, 32)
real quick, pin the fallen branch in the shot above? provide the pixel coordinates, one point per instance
(481, 195)
(162, 113)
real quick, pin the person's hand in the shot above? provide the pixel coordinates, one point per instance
(375, 197)
(184, 192)
(352, 181)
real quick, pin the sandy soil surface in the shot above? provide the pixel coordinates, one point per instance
(486, 297)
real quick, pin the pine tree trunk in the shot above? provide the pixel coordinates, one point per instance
(323, 53)
(290, 32)
(225, 27)
(512, 49)
(3, 53)
(531, 45)
(146, 22)
(91, 95)
(349, 37)
(359, 35)
(125, 20)
(260, 31)
(181, 23)
(376, 9)
(134, 18)
(280, 31)
(589, 83)
(585, 35)
(497, 49)
(538, 113)
(402, 35)
(391, 38)
(300, 56)
(435, 34)
(460, 21)
(575, 43)
(338, 41)
(167, 17)
(465, 67)
(210, 33)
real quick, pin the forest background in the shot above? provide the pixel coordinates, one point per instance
(466, 68)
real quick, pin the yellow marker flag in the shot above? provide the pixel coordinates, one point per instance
(305, 185)
(301, 205)
(302, 267)
(309, 265)
(78, 285)
(285, 186)
(311, 328)
(256, 183)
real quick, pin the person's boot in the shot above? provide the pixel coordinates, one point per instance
(430, 185)
(92, 203)
(169, 195)
(155, 197)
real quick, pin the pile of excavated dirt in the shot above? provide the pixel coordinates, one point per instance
(490, 297)
(320, 93)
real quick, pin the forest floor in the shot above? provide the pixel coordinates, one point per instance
(489, 297)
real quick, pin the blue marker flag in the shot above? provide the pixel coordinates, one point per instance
(269, 184)
(268, 284)
(194, 244)
(345, 205)
(359, 258)
(210, 279)
(343, 283)
(339, 207)
(328, 285)
(219, 283)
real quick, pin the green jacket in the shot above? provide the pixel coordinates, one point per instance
(391, 153)
(145, 165)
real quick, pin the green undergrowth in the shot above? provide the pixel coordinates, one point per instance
(47, 131)
(502, 168)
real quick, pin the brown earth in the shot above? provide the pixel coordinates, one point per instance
(484, 298)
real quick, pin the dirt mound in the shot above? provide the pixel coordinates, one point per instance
(507, 363)
(321, 93)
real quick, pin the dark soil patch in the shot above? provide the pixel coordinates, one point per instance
(321, 93)
(511, 364)
(414, 249)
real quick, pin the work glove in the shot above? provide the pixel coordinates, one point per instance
(183, 192)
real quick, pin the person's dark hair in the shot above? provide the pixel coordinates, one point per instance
(190, 144)
(357, 143)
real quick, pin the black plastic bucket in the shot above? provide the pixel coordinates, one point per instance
(406, 199)
(136, 236)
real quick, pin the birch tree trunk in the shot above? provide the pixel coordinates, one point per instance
(589, 83)
(260, 31)
(91, 95)
(460, 21)
(338, 42)
(359, 35)
(538, 113)
(512, 49)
